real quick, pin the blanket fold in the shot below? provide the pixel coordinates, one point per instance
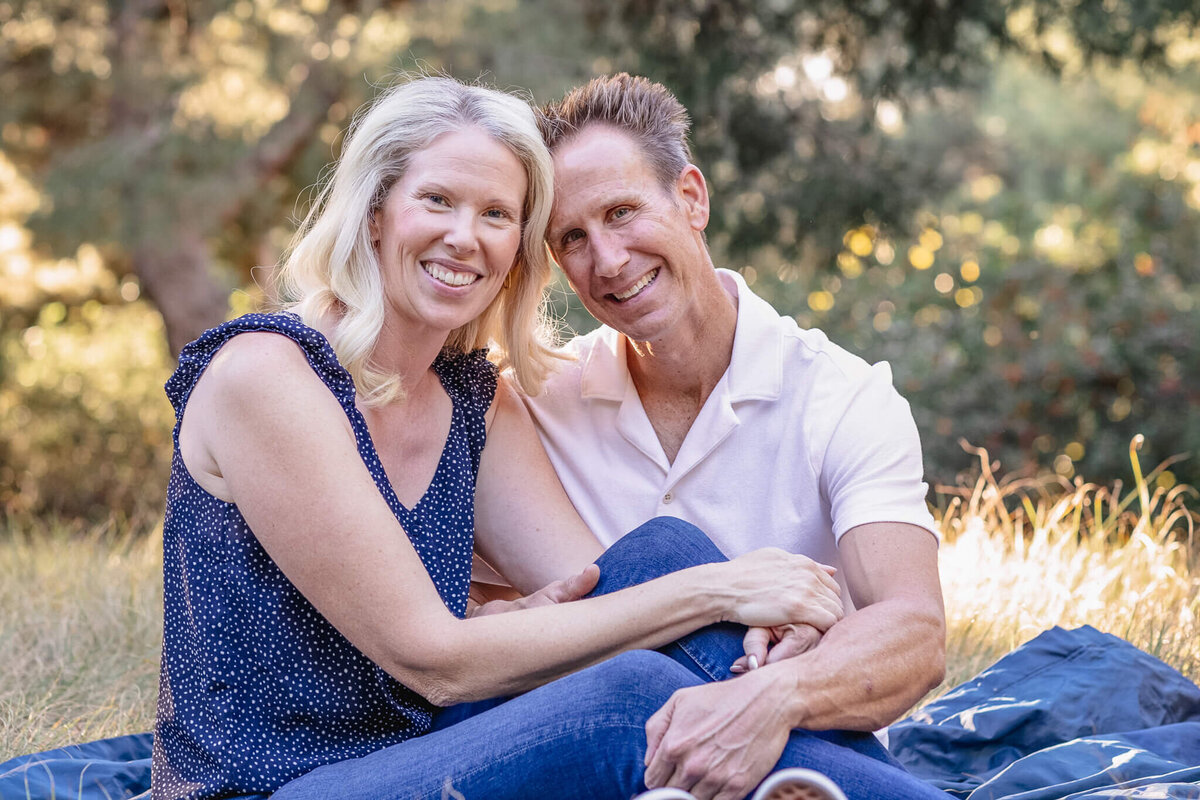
(1071, 713)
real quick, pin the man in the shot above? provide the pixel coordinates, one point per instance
(697, 400)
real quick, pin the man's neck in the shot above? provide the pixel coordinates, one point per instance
(675, 375)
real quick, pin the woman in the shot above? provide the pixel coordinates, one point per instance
(336, 464)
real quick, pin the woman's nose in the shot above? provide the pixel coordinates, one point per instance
(461, 234)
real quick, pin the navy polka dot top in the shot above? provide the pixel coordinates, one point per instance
(256, 687)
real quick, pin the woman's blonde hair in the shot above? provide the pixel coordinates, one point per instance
(333, 267)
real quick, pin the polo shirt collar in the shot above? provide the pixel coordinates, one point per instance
(756, 369)
(605, 373)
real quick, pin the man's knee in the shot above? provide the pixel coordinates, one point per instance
(657, 547)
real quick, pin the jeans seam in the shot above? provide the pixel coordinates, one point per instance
(709, 671)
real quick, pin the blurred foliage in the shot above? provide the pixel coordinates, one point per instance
(1047, 308)
(85, 429)
(999, 198)
(175, 136)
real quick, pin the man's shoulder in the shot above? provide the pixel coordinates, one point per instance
(564, 384)
(826, 356)
(808, 350)
(584, 344)
(809, 354)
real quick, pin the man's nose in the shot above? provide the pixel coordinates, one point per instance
(609, 255)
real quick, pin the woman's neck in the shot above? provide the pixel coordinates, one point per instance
(407, 353)
(399, 351)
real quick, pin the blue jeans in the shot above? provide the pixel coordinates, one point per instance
(583, 736)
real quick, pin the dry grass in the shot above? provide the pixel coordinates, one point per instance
(1022, 556)
(80, 610)
(80, 628)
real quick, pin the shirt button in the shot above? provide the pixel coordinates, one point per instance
(668, 497)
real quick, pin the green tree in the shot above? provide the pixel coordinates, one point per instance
(173, 135)
(932, 182)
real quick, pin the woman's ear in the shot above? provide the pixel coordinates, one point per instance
(693, 194)
(373, 229)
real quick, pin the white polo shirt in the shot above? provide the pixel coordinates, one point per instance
(799, 442)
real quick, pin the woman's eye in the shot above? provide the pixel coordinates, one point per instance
(497, 213)
(437, 199)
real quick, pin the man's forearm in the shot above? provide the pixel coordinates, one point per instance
(868, 669)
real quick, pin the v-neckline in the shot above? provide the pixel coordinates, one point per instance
(388, 490)
(382, 481)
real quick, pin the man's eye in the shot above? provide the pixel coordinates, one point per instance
(437, 199)
(623, 211)
(570, 237)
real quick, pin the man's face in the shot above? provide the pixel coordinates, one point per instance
(632, 248)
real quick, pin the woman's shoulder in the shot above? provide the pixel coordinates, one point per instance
(468, 374)
(246, 353)
(259, 355)
(262, 369)
(284, 323)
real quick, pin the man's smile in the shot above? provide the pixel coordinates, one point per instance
(636, 289)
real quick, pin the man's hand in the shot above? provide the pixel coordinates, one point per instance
(718, 740)
(563, 591)
(769, 645)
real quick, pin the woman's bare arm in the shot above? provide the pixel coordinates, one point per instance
(281, 444)
(525, 526)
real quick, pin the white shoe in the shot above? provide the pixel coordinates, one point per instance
(666, 794)
(798, 784)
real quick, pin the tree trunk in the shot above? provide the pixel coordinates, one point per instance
(174, 264)
(176, 276)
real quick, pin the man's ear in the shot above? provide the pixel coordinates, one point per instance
(693, 193)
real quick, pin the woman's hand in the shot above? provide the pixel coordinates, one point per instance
(564, 591)
(771, 587)
(768, 645)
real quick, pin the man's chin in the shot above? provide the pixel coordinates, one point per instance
(642, 329)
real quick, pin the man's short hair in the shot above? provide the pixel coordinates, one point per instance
(642, 109)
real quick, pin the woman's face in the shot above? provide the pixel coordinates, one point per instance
(449, 231)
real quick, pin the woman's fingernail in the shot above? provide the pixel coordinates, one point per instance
(753, 659)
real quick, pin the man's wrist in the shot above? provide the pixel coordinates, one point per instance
(793, 693)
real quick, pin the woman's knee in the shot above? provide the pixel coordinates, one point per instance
(637, 681)
(657, 547)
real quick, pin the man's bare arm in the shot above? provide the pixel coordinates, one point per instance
(867, 670)
(882, 658)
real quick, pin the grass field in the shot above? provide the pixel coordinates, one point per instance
(1022, 556)
(80, 627)
(80, 609)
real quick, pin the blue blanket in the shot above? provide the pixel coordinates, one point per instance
(109, 769)
(1071, 714)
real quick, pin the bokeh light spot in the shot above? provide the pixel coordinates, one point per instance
(920, 257)
(820, 301)
(1144, 264)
